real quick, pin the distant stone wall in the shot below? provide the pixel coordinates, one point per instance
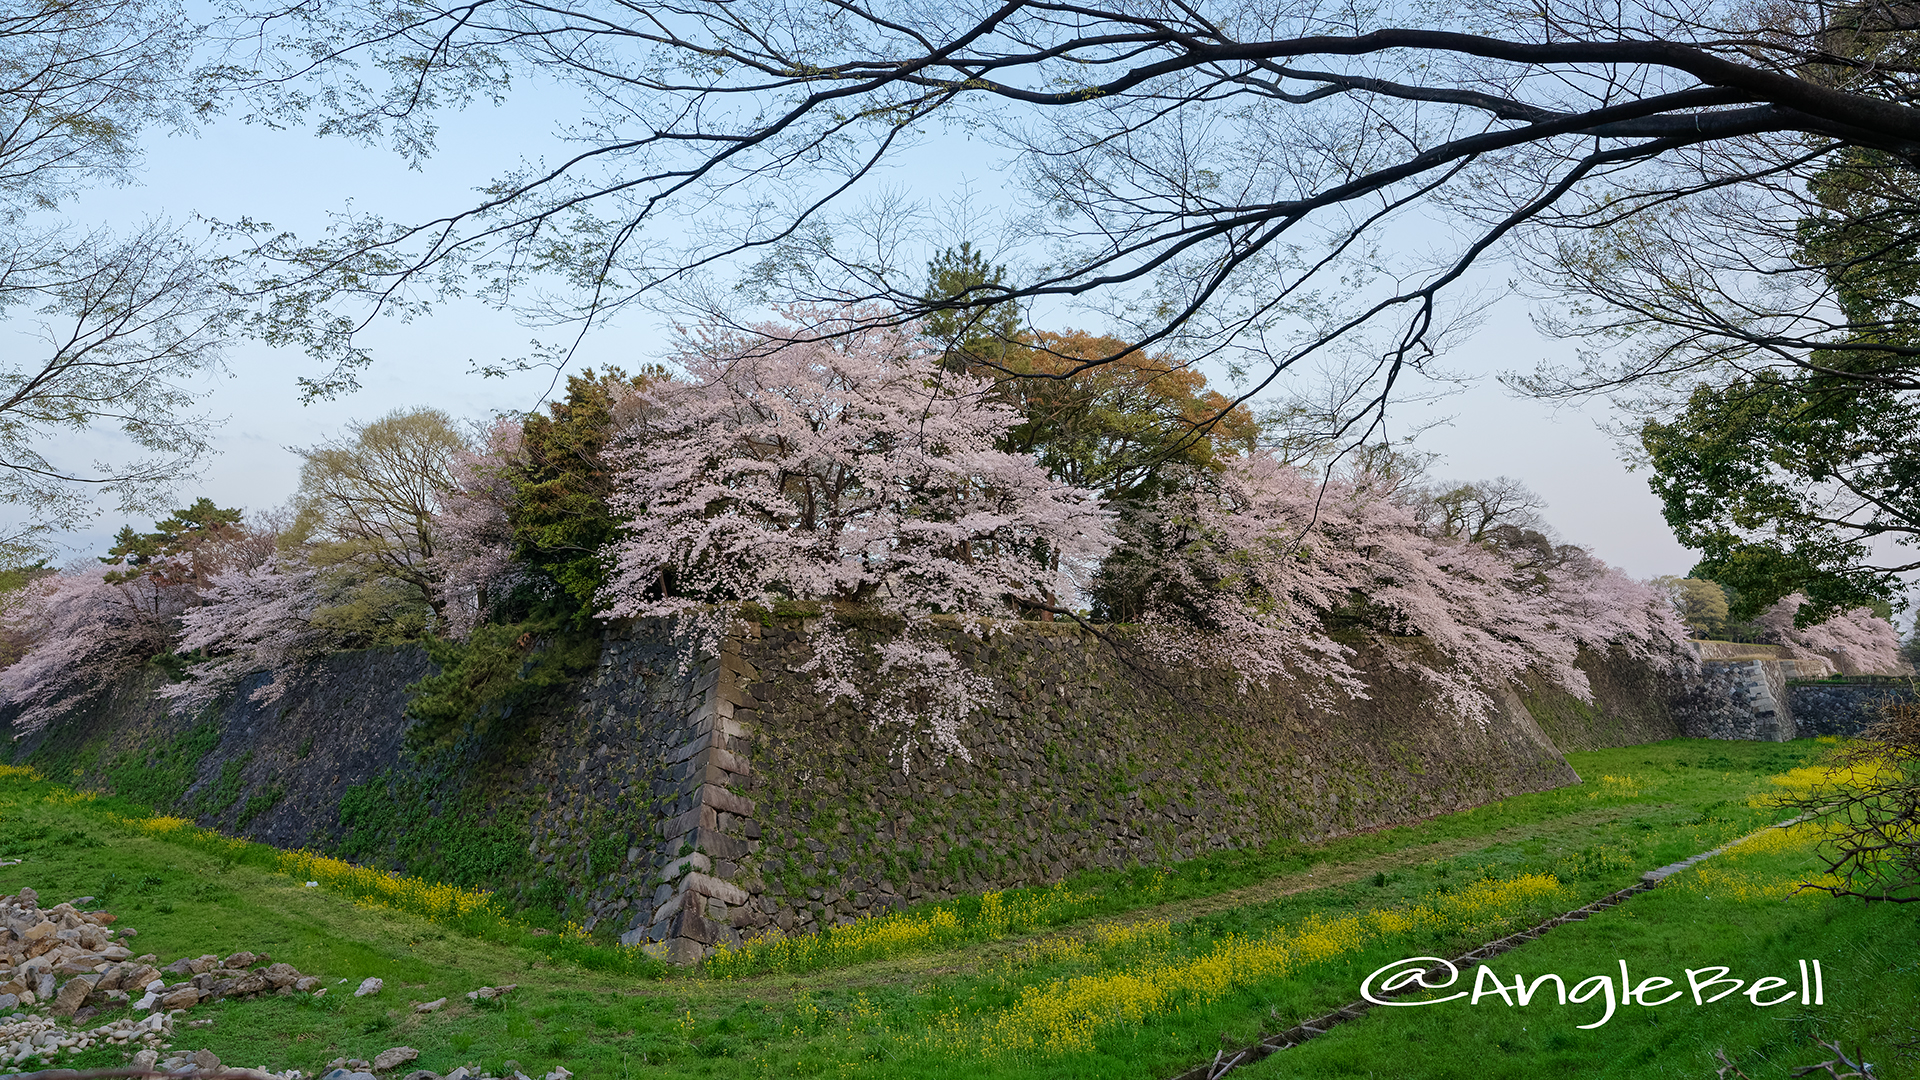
(272, 772)
(687, 804)
(1739, 699)
(1823, 708)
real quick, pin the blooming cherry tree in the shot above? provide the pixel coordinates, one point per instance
(1858, 642)
(84, 632)
(474, 558)
(831, 459)
(252, 619)
(1254, 568)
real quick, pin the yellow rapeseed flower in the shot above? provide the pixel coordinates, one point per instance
(893, 934)
(1064, 1015)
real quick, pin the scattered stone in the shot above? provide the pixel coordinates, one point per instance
(393, 1058)
(421, 1074)
(559, 1072)
(371, 985)
(488, 993)
(429, 1006)
(26, 1037)
(65, 958)
(205, 1060)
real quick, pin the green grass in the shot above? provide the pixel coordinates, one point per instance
(1868, 955)
(880, 1017)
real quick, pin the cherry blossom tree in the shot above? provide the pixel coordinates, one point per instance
(475, 554)
(1858, 642)
(828, 458)
(87, 626)
(1260, 566)
(250, 620)
(86, 631)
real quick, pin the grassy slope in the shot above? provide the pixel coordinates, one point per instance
(875, 1018)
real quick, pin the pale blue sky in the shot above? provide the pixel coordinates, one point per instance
(292, 179)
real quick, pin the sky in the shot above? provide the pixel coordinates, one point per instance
(293, 179)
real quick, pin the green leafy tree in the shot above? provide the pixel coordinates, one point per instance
(560, 520)
(183, 548)
(1121, 428)
(542, 635)
(978, 335)
(1790, 483)
(1807, 478)
(365, 515)
(1096, 412)
(1702, 604)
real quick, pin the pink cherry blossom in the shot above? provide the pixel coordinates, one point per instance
(832, 459)
(473, 538)
(1857, 642)
(252, 620)
(1259, 561)
(85, 634)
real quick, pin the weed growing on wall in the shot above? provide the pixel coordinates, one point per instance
(225, 789)
(159, 777)
(500, 674)
(423, 823)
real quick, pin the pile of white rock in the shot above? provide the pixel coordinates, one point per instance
(65, 961)
(352, 1069)
(69, 960)
(24, 1037)
(62, 957)
(204, 1061)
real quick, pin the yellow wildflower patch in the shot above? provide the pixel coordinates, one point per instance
(19, 772)
(378, 888)
(896, 933)
(1799, 782)
(365, 885)
(1726, 877)
(1064, 1015)
(1616, 787)
(1732, 884)
(1096, 943)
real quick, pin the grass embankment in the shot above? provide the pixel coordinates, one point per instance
(1136, 974)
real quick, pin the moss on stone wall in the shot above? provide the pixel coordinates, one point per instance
(1085, 758)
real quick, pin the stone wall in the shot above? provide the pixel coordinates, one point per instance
(1078, 762)
(686, 804)
(1844, 708)
(1740, 699)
